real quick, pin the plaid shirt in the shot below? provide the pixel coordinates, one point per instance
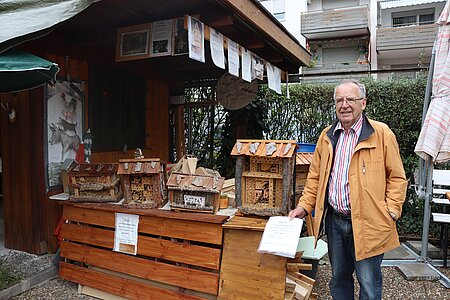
(338, 188)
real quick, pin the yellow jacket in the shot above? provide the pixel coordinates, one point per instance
(377, 186)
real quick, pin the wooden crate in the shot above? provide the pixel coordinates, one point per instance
(264, 176)
(302, 163)
(143, 182)
(178, 253)
(94, 183)
(193, 192)
(246, 274)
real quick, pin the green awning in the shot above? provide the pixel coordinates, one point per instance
(21, 71)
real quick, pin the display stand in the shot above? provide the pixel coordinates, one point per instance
(178, 254)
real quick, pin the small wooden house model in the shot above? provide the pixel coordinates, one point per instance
(302, 163)
(94, 183)
(264, 176)
(194, 192)
(143, 182)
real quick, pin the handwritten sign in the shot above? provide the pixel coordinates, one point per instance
(126, 233)
(194, 200)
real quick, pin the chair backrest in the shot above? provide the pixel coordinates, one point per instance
(441, 185)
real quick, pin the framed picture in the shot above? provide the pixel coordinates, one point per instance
(133, 42)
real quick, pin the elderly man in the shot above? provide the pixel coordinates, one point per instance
(356, 185)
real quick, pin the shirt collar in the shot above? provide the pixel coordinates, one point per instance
(356, 127)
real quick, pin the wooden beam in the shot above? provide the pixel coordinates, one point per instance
(252, 14)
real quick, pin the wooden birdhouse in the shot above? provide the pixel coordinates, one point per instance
(143, 182)
(193, 192)
(94, 183)
(264, 176)
(302, 163)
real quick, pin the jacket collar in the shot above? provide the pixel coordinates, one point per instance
(366, 131)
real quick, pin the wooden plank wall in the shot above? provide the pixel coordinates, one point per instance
(176, 258)
(156, 127)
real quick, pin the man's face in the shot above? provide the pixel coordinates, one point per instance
(349, 104)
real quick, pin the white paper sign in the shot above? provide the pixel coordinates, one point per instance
(274, 78)
(126, 233)
(233, 58)
(246, 65)
(196, 39)
(194, 200)
(216, 44)
(281, 236)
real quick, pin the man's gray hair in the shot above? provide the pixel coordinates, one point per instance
(362, 88)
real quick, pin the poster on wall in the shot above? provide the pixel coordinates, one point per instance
(161, 43)
(196, 35)
(64, 126)
(180, 37)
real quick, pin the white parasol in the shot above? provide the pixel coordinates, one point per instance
(434, 139)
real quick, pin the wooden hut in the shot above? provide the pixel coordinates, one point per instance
(127, 92)
(94, 183)
(143, 182)
(264, 176)
(193, 192)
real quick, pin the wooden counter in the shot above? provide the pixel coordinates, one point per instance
(178, 253)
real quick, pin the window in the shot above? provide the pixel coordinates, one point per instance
(116, 109)
(276, 8)
(415, 17)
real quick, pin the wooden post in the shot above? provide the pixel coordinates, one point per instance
(238, 179)
(287, 181)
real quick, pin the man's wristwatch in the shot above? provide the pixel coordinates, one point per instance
(393, 216)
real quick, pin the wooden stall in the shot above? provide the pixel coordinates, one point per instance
(127, 101)
(178, 254)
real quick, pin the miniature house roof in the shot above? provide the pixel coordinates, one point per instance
(265, 148)
(139, 166)
(303, 158)
(192, 182)
(92, 169)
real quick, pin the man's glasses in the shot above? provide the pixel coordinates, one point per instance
(350, 101)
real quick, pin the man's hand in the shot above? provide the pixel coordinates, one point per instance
(297, 212)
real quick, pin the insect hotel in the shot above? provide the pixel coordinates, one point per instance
(193, 192)
(302, 162)
(94, 183)
(143, 182)
(264, 176)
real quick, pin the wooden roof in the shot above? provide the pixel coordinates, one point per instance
(193, 182)
(139, 166)
(282, 148)
(92, 169)
(303, 158)
(246, 22)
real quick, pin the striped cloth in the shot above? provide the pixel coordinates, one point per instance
(434, 138)
(338, 188)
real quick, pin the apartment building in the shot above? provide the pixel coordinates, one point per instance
(348, 38)
(406, 32)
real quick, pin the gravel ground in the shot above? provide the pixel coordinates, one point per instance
(394, 285)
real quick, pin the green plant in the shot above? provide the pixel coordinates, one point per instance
(7, 277)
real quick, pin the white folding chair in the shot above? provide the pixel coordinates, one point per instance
(441, 185)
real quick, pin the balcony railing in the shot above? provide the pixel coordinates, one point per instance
(407, 37)
(337, 67)
(336, 23)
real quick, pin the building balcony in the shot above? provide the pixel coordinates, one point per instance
(406, 37)
(338, 67)
(340, 22)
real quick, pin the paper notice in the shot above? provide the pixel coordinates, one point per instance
(233, 58)
(281, 236)
(246, 65)
(196, 38)
(217, 52)
(274, 78)
(126, 233)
